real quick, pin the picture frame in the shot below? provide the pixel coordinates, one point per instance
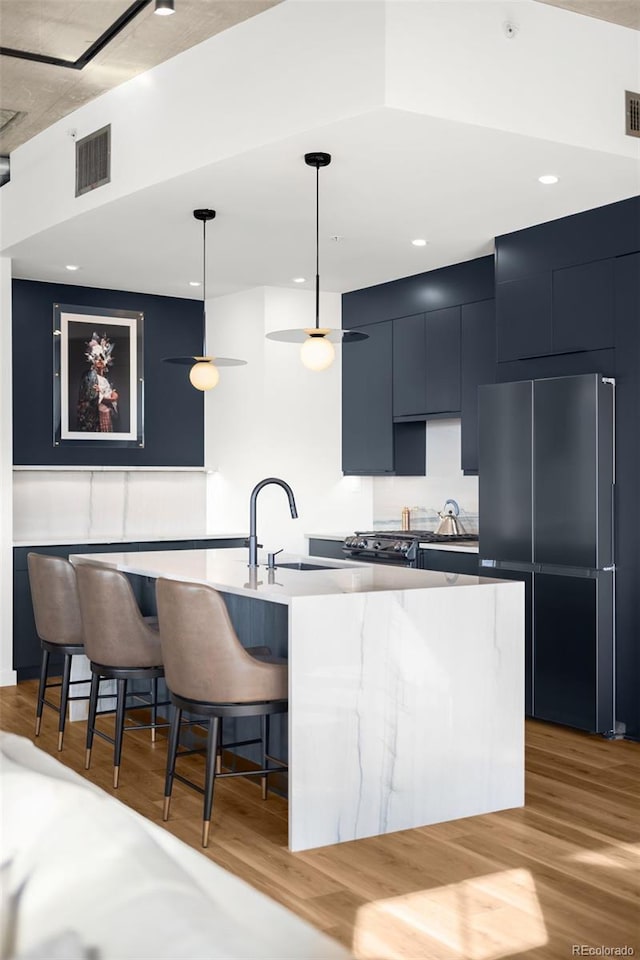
(98, 381)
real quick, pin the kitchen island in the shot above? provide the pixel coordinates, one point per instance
(405, 687)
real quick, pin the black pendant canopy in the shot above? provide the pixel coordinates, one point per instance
(306, 335)
(201, 378)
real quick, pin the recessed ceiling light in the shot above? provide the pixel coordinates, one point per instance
(548, 178)
(164, 8)
(299, 279)
(72, 266)
(419, 242)
(195, 283)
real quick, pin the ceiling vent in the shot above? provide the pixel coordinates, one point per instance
(632, 112)
(93, 161)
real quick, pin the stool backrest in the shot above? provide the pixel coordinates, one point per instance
(202, 655)
(54, 594)
(115, 631)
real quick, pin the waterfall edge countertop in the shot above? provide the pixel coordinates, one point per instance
(228, 571)
(406, 687)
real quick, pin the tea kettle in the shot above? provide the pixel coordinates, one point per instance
(449, 525)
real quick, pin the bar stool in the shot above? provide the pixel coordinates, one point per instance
(122, 645)
(210, 674)
(54, 594)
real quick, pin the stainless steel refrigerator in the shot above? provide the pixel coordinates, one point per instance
(547, 494)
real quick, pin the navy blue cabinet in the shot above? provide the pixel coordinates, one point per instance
(367, 402)
(443, 360)
(409, 366)
(523, 317)
(583, 304)
(26, 645)
(477, 368)
(426, 363)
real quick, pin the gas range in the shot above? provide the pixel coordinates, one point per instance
(395, 546)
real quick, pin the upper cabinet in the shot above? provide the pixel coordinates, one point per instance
(555, 282)
(411, 368)
(371, 443)
(367, 392)
(426, 364)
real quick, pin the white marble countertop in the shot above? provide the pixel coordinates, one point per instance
(460, 546)
(227, 570)
(142, 538)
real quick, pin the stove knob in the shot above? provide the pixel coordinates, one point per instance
(397, 545)
(350, 542)
(404, 547)
(377, 545)
(361, 544)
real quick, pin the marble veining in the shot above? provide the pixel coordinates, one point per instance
(406, 689)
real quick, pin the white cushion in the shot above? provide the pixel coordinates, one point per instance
(92, 867)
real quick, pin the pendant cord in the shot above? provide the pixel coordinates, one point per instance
(317, 247)
(204, 287)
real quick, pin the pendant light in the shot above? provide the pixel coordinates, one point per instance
(317, 351)
(204, 373)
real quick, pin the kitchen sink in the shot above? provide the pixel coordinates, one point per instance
(300, 565)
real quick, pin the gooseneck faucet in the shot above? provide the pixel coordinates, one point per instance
(253, 536)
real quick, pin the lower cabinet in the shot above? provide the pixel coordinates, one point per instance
(26, 644)
(573, 651)
(326, 548)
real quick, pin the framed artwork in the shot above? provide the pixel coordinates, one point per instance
(98, 377)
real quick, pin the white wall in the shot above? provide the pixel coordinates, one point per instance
(276, 418)
(7, 674)
(425, 496)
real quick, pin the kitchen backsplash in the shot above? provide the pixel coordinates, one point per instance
(425, 496)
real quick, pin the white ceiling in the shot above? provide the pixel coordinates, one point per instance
(395, 176)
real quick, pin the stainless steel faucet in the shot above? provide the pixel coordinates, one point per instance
(253, 537)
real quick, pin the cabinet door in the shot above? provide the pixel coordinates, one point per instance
(523, 318)
(477, 367)
(583, 307)
(443, 360)
(367, 399)
(409, 366)
(572, 654)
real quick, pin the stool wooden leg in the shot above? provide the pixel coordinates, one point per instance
(91, 720)
(154, 708)
(172, 749)
(64, 697)
(121, 702)
(264, 782)
(210, 777)
(44, 671)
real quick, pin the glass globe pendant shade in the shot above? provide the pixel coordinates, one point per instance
(317, 353)
(204, 375)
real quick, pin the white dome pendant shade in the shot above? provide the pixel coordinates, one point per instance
(204, 373)
(317, 351)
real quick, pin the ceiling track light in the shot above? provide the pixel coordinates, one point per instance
(204, 374)
(317, 351)
(164, 8)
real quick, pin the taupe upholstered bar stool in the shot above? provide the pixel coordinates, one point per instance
(54, 594)
(210, 674)
(122, 645)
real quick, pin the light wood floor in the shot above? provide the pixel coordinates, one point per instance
(532, 883)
